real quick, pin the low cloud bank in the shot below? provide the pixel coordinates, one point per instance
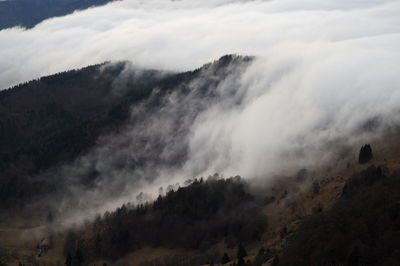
(180, 35)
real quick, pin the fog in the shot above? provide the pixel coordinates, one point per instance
(322, 70)
(279, 114)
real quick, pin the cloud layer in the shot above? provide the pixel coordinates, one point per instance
(178, 35)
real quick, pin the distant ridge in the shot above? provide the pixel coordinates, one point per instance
(28, 13)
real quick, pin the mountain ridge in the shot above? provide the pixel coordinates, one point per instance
(28, 13)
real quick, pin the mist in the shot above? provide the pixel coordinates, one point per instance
(321, 70)
(265, 119)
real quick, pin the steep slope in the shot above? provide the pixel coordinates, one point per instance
(56, 119)
(53, 120)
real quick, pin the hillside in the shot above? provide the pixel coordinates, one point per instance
(342, 221)
(190, 218)
(329, 216)
(52, 120)
(48, 122)
(344, 212)
(28, 13)
(337, 217)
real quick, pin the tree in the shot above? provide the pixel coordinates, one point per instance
(68, 260)
(240, 255)
(241, 252)
(97, 243)
(354, 257)
(225, 258)
(241, 262)
(365, 154)
(50, 217)
(79, 256)
(262, 256)
(316, 187)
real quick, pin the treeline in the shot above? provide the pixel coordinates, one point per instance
(193, 217)
(214, 258)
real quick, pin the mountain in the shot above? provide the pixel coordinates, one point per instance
(81, 139)
(28, 13)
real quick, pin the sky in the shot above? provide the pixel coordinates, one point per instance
(322, 69)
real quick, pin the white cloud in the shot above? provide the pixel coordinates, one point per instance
(301, 100)
(179, 35)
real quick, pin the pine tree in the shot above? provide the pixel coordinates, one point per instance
(68, 260)
(365, 154)
(50, 217)
(79, 256)
(225, 259)
(261, 257)
(240, 255)
(241, 252)
(98, 243)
